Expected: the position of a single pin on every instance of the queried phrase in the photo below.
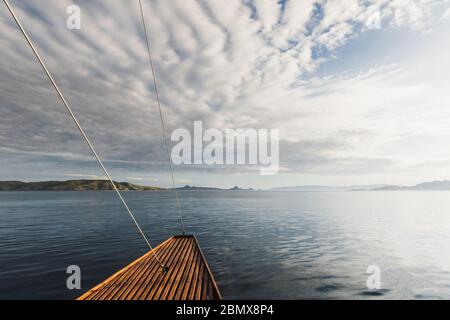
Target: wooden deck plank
(181, 272)
(150, 269)
(205, 285)
(119, 285)
(210, 274)
(122, 291)
(150, 274)
(98, 292)
(161, 284)
(170, 278)
(188, 276)
(198, 289)
(190, 295)
(155, 281)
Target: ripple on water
(260, 245)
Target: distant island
(92, 185)
(72, 185)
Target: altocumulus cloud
(232, 64)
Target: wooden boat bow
(187, 275)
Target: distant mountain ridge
(189, 188)
(318, 188)
(424, 186)
(105, 185)
(72, 185)
(94, 185)
(441, 185)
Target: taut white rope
(166, 143)
(79, 127)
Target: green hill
(72, 185)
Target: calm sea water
(274, 245)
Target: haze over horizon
(355, 104)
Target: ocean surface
(260, 245)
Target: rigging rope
(30, 43)
(166, 143)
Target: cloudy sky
(356, 101)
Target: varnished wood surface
(187, 276)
